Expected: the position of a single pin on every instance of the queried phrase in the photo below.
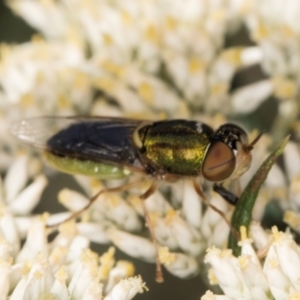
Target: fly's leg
(148, 193)
(77, 213)
(199, 191)
(225, 194)
(125, 187)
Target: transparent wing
(37, 131)
(99, 139)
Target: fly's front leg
(199, 191)
(225, 194)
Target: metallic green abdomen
(176, 147)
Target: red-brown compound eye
(219, 162)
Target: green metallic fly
(111, 148)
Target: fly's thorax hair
(243, 160)
(139, 135)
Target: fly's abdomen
(175, 147)
(85, 167)
(100, 149)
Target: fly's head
(229, 153)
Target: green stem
(243, 212)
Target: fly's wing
(99, 139)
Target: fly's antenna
(251, 145)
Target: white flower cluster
(148, 59)
(62, 269)
(176, 51)
(274, 27)
(246, 277)
(66, 268)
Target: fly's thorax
(173, 147)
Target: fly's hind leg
(125, 187)
(77, 213)
(148, 193)
(199, 191)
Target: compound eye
(219, 162)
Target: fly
(111, 148)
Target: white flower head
(248, 277)
(175, 64)
(71, 270)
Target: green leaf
(242, 214)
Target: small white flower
(187, 237)
(292, 160)
(20, 199)
(228, 276)
(121, 270)
(248, 98)
(95, 232)
(133, 245)
(59, 287)
(260, 237)
(126, 289)
(36, 241)
(179, 264)
(214, 229)
(191, 206)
